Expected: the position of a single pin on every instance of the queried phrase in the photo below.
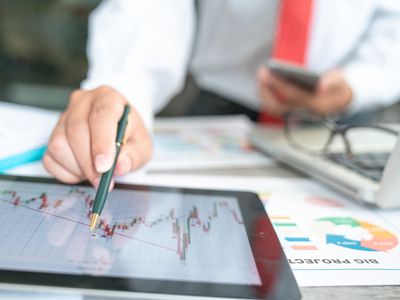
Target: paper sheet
(31, 295)
(204, 143)
(329, 240)
(23, 130)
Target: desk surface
(321, 293)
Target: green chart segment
(379, 239)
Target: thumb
(263, 75)
(330, 81)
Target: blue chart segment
(141, 234)
(380, 239)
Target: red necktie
(291, 40)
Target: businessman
(141, 51)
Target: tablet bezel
(251, 209)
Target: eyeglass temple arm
(380, 127)
(370, 126)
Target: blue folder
(22, 158)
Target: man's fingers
(87, 131)
(78, 134)
(125, 162)
(270, 102)
(60, 151)
(283, 95)
(273, 106)
(138, 149)
(133, 156)
(103, 120)
(292, 94)
(58, 171)
(333, 94)
(263, 75)
(330, 81)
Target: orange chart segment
(379, 238)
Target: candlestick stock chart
(141, 234)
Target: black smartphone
(302, 77)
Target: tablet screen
(142, 234)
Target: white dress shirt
(144, 48)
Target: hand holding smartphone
(302, 77)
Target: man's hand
(333, 94)
(82, 145)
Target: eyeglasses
(324, 133)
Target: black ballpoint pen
(105, 181)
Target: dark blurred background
(42, 50)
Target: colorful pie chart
(344, 232)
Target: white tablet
(151, 242)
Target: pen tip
(93, 221)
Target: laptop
(370, 175)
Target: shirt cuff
(369, 89)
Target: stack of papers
(24, 132)
(204, 143)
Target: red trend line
(87, 225)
